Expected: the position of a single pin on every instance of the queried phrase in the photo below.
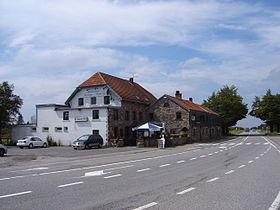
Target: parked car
(31, 141)
(3, 150)
(88, 141)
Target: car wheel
(30, 146)
(99, 146)
(86, 146)
(45, 145)
(1, 152)
(21, 147)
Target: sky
(49, 47)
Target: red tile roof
(192, 106)
(124, 88)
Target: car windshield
(83, 138)
(24, 138)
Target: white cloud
(191, 61)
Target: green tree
(9, 106)
(267, 109)
(229, 105)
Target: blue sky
(47, 48)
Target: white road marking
(146, 206)
(203, 156)
(15, 194)
(212, 180)
(33, 169)
(144, 169)
(70, 184)
(113, 176)
(271, 144)
(229, 172)
(186, 191)
(262, 154)
(193, 159)
(257, 143)
(221, 150)
(248, 143)
(180, 161)
(216, 152)
(95, 173)
(210, 154)
(242, 166)
(164, 165)
(276, 204)
(251, 161)
(257, 158)
(266, 143)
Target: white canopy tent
(148, 126)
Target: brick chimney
(131, 80)
(178, 94)
(191, 100)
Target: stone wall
(122, 126)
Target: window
(93, 100)
(166, 105)
(116, 114)
(140, 116)
(58, 129)
(65, 129)
(45, 129)
(33, 129)
(95, 131)
(127, 115)
(173, 131)
(66, 115)
(95, 114)
(134, 115)
(80, 101)
(178, 115)
(106, 99)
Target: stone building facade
(184, 116)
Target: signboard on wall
(81, 119)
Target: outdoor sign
(81, 119)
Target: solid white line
(193, 159)
(146, 206)
(186, 191)
(251, 161)
(242, 166)
(144, 169)
(229, 172)
(212, 180)
(276, 204)
(15, 194)
(113, 176)
(271, 144)
(180, 161)
(70, 184)
(165, 165)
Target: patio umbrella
(148, 126)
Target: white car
(31, 141)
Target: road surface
(242, 173)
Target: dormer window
(80, 101)
(106, 99)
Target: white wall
(48, 117)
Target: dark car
(88, 141)
(3, 150)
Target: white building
(92, 108)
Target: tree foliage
(267, 109)
(9, 105)
(228, 104)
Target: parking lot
(19, 157)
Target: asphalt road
(242, 173)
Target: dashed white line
(210, 154)
(70, 184)
(180, 161)
(257, 158)
(193, 159)
(216, 152)
(257, 143)
(262, 154)
(203, 156)
(248, 143)
(144, 169)
(251, 161)
(186, 191)
(242, 166)
(229, 172)
(164, 165)
(276, 204)
(113, 176)
(15, 194)
(212, 180)
(146, 206)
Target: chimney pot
(178, 94)
(191, 99)
(131, 80)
